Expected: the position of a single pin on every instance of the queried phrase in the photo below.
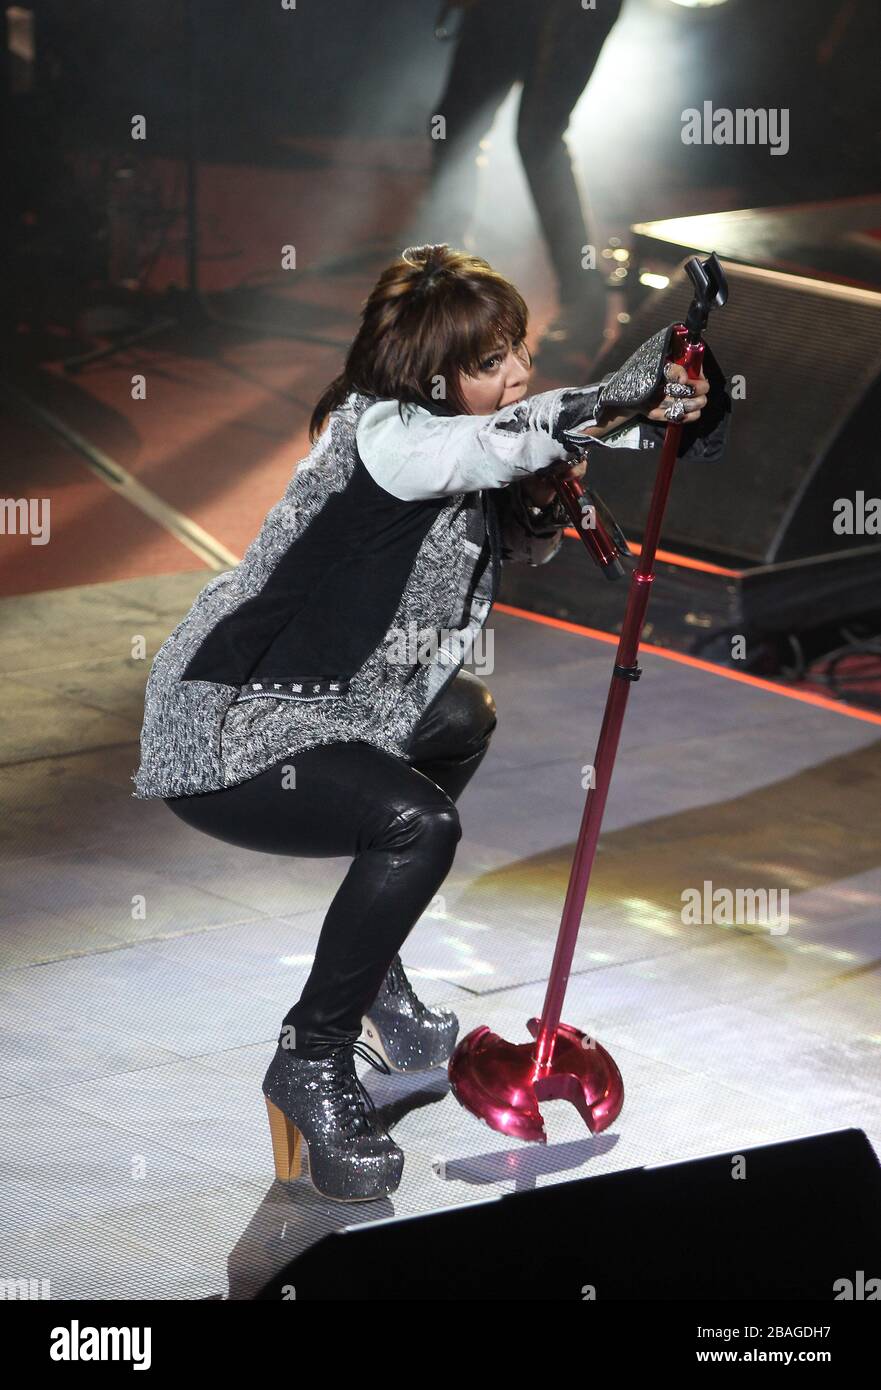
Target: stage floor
(146, 968)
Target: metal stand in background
(187, 302)
(502, 1083)
(187, 307)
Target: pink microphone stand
(500, 1082)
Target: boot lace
(355, 1103)
(397, 983)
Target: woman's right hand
(541, 492)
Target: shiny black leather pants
(398, 821)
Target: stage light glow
(654, 282)
(697, 4)
(642, 913)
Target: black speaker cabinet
(804, 428)
(793, 1220)
(754, 542)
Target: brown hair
(432, 313)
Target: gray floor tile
(141, 996)
(106, 903)
(38, 1054)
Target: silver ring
(679, 389)
(675, 411)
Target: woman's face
(501, 379)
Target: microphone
(603, 538)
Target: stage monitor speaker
(805, 433)
(793, 1220)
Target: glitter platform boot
(322, 1102)
(408, 1035)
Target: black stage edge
(796, 1220)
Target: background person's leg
(570, 40)
(349, 798)
(488, 58)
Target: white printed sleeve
(423, 455)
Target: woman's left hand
(693, 404)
